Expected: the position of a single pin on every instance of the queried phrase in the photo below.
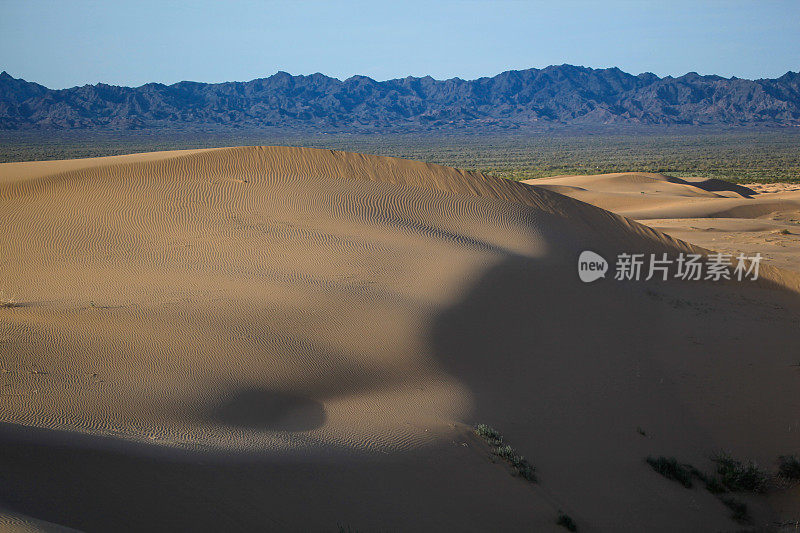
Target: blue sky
(66, 43)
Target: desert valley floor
(294, 339)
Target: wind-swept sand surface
(714, 214)
(291, 339)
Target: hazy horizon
(342, 79)
(66, 45)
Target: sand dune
(635, 192)
(290, 339)
(713, 214)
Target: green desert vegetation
(521, 466)
(739, 476)
(789, 467)
(489, 434)
(735, 155)
(733, 476)
(684, 473)
(671, 469)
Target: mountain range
(556, 95)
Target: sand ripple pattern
(265, 298)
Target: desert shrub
(734, 476)
(738, 509)
(506, 452)
(491, 435)
(671, 469)
(525, 469)
(736, 156)
(789, 467)
(521, 466)
(712, 484)
(566, 522)
(739, 476)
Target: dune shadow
(101, 484)
(528, 333)
(531, 325)
(716, 185)
(567, 371)
(270, 410)
(543, 353)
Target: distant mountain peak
(557, 94)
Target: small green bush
(567, 522)
(525, 470)
(491, 435)
(789, 467)
(521, 465)
(671, 469)
(713, 485)
(506, 452)
(739, 476)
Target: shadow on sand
(272, 411)
(567, 371)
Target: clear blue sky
(72, 42)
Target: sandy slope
(711, 213)
(291, 339)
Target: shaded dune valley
(291, 339)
